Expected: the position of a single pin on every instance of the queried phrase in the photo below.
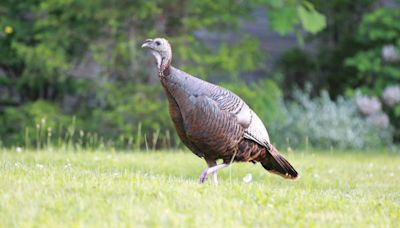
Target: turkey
(213, 122)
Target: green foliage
(324, 123)
(130, 107)
(285, 25)
(350, 51)
(380, 26)
(213, 14)
(397, 110)
(323, 62)
(286, 15)
(376, 30)
(227, 60)
(83, 59)
(31, 124)
(312, 20)
(298, 69)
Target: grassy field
(118, 189)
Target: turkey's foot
(203, 176)
(214, 169)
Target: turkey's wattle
(213, 122)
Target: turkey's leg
(215, 174)
(206, 172)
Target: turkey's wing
(210, 128)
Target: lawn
(117, 189)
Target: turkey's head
(161, 50)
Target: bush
(324, 123)
(134, 111)
(32, 123)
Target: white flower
(19, 149)
(379, 120)
(368, 105)
(247, 178)
(391, 95)
(390, 53)
(39, 166)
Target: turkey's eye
(158, 43)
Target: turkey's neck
(165, 67)
(166, 71)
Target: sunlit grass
(160, 188)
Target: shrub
(322, 122)
(134, 110)
(31, 123)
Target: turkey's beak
(147, 43)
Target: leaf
(276, 3)
(397, 110)
(311, 19)
(283, 19)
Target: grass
(100, 189)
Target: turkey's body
(212, 121)
(215, 123)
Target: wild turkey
(213, 122)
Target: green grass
(160, 189)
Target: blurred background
(323, 74)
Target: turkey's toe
(203, 176)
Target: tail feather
(277, 164)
